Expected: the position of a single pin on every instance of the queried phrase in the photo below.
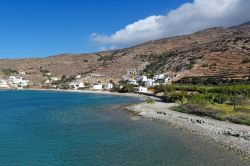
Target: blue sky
(39, 28)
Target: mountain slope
(218, 52)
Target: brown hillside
(220, 52)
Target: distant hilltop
(215, 52)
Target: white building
(23, 83)
(141, 89)
(150, 83)
(133, 82)
(167, 79)
(47, 82)
(76, 85)
(142, 79)
(131, 71)
(3, 84)
(97, 86)
(158, 77)
(55, 78)
(109, 86)
(78, 76)
(13, 78)
(18, 81)
(22, 73)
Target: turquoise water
(72, 129)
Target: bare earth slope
(220, 52)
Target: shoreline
(233, 136)
(86, 91)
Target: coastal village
(125, 83)
(140, 83)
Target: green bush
(205, 65)
(221, 98)
(164, 88)
(200, 110)
(247, 60)
(9, 71)
(198, 99)
(190, 66)
(175, 97)
(127, 88)
(149, 101)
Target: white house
(142, 79)
(78, 76)
(158, 77)
(167, 79)
(22, 73)
(109, 86)
(76, 85)
(3, 84)
(23, 83)
(131, 71)
(47, 82)
(133, 82)
(150, 83)
(141, 89)
(13, 78)
(97, 86)
(55, 78)
(18, 81)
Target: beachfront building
(13, 78)
(23, 83)
(76, 85)
(3, 84)
(108, 86)
(140, 89)
(97, 86)
(47, 82)
(18, 82)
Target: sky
(41, 28)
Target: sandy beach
(233, 136)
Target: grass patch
(150, 101)
(213, 101)
(223, 112)
(9, 71)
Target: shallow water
(71, 129)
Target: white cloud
(188, 18)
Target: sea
(49, 128)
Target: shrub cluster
(200, 94)
(9, 71)
(209, 81)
